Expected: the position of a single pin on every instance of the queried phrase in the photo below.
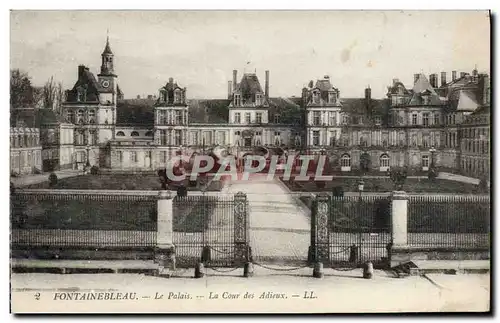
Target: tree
(21, 90)
(398, 177)
(49, 94)
(364, 162)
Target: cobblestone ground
(279, 229)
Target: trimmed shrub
(94, 170)
(52, 179)
(338, 191)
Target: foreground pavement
(273, 291)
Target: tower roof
(107, 49)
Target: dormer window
(276, 118)
(316, 97)
(237, 99)
(378, 120)
(332, 97)
(258, 99)
(177, 96)
(425, 99)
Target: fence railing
(460, 221)
(48, 219)
(204, 221)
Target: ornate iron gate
(211, 229)
(348, 231)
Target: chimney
(81, 69)
(486, 89)
(368, 94)
(433, 78)
(443, 78)
(266, 88)
(170, 80)
(235, 76)
(229, 89)
(453, 75)
(150, 97)
(415, 78)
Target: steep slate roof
(422, 87)
(467, 101)
(107, 49)
(137, 112)
(289, 110)
(249, 86)
(323, 85)
(209, 111)
(87, 80)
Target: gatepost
(242, 251)
(399, 252)
(320, 237)
(165, 249)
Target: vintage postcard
(250, 161)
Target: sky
(199, 50)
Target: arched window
(345, 162)
(134, 134)
(120, 134)
(149, 134)
(384, 162)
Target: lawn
(412, 185)
(140, 182)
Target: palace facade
(426, 123)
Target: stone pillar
(399, 218)
(399, 252)
(165, 249)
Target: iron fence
(359, 229)
(459, 221)
(204, 227)
(83, 219)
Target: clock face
(105, 84)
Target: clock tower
(107, 77)
(108, 95)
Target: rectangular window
(222, 138)
(316, 118)
(276, 118)
(425, 119)
(163, 137)
(194, 138)
(315, 138)
(414, 119)
(436, 119)
(237, 99)
(453, 119)
(178, 117)
(163, 157)
(258, 117)
(333, 138)
(237, 117)
(133, 156)
(378, 120)
(333, 118)
(248, 117)
(178, 138)
(425, 161)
